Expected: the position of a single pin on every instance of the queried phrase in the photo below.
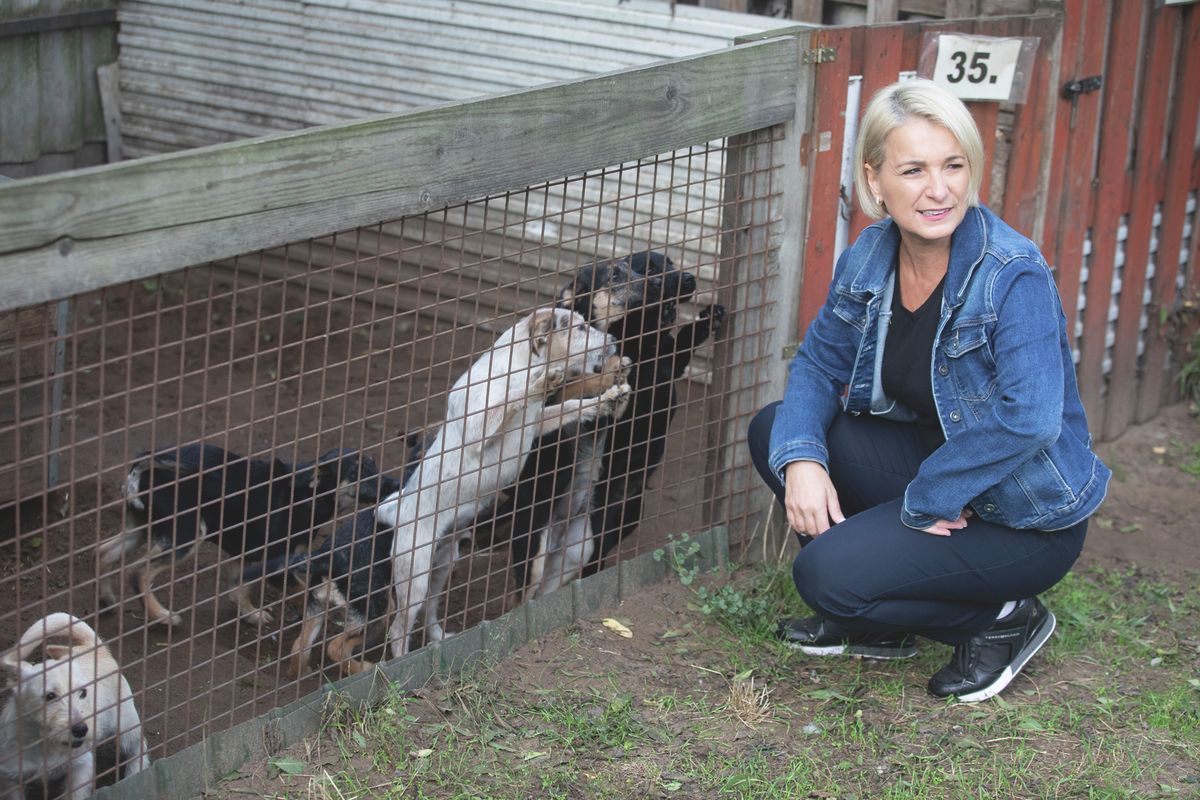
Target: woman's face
(923, 181)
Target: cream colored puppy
(494, 412)
(60, 708)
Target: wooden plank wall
(1120, 223)
(50, 115)
(879, 53)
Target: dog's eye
(82, 694)
(51, 697)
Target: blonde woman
(931, 450)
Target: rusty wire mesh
(349, 344)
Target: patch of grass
(1110, 709)
(1187, 456)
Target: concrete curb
(201, 766)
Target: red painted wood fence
(1105, 181)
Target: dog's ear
(541, 325)
(18, 668)
(58, 652)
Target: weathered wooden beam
(63, 234)
(57, 22)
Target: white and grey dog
(61, 708)
(494, 412)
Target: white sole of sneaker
(1012, 670)
(860, 651)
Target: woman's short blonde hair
(894, 105)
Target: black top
(907, 357)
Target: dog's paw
(716, 314)
(169, 619)
(108, 599)
(259, 617)
(553, 379)
(615, 400)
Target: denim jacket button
(989, 508)
(943, 370)
(955, 416)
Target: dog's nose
(689, 284)
(79, 730)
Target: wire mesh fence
(260, 463)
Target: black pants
(872, 573)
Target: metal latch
(819, 55)
(1072, 89)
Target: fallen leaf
(425, 752)
(291, 766)
(617, 627)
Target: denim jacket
(1017, 449)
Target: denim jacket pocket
(851, 309)
(1043, 486)
(969, 361)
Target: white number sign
(977, 67)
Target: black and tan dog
(660, 355)
(581, 489)
(252, 508)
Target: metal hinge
(819, 55)
(789, 351)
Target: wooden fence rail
(67, 233)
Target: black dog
(581, 488)
(252, 508)
(639, 438)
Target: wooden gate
(1108, 200)
(1124, 176)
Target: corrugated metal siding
(196, 73)
(199, 73)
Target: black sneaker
(981, 667)
(820, 637)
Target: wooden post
(808, 10)
(765, 222)
(108, 77)
(1147, 181)
(1111, 191)
(1156, 382)
(883, 11)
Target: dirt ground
(239, 364)
(1151, 517)
(1147, 528)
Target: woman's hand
(946, 527)
(810, 499)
